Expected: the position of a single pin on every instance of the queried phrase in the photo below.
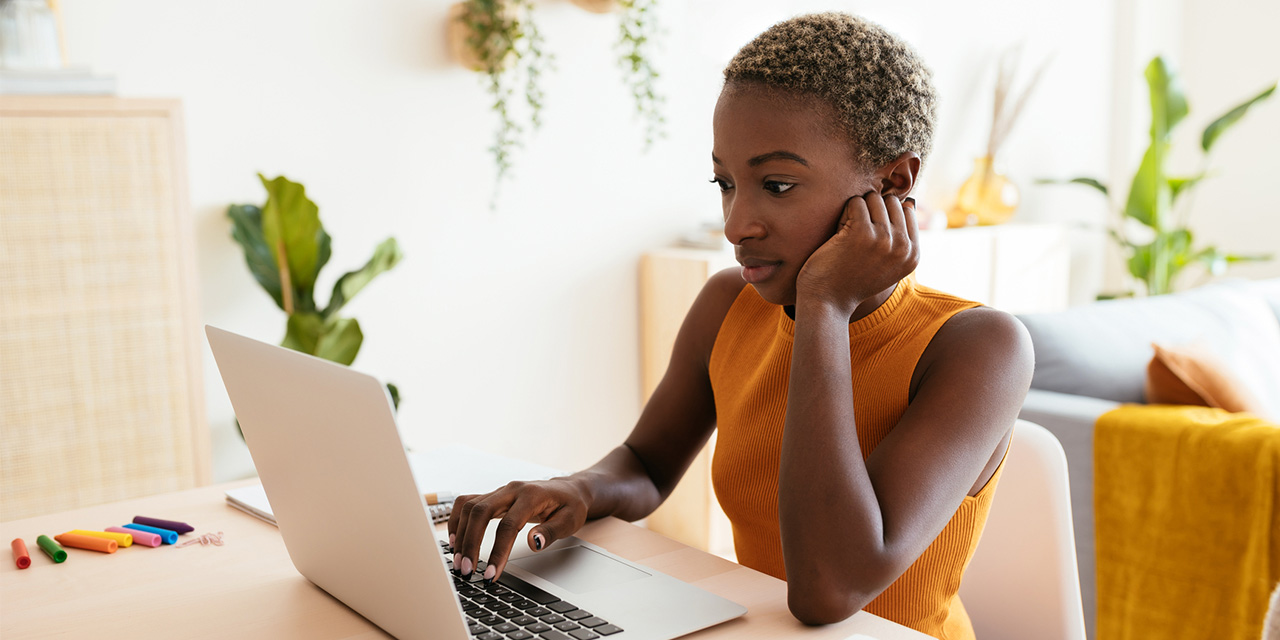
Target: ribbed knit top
(750, 367)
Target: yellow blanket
(1187, 509)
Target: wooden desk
(248, 588)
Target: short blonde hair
(880, 89)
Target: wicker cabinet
(100, 378)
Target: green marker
(52, 549)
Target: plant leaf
(386, 256)
(1177, 245)
(395, 395)
(1150, 195)
(1168, 104)
(291, 221)
(1090, 182)
(1226, 120)
(246, 229)
(1140, 261)
(340, 341)
(303, 331)
(1178, 185)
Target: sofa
(1093, 358)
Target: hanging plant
(637, 31)
(502, 41)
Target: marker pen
(20, 555)
(167, 536)
(87, 542)
(51, 549)
(122, 539)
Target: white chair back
(1022, 581)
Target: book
(455, 469)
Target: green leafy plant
(509, 48)
(285, 247)
(637, 31)
(1154, 193)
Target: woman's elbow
(816, 606)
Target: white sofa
(1091, 359)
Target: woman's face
(785, 175)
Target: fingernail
(451, 537)
(466, 566)
(538, 542)
(457, 559)
(490, 573)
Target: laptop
(324, 440)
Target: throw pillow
(1192, 375)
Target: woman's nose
(741, 223)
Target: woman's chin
(772, 294)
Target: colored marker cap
(171, 525)
(51, 548)
(141, 537)
(167, 536)
(20, 555)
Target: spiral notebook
(457, 469)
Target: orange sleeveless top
(750, 367)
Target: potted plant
(285, 247)
(1164, 245)
(636, 32)
(500, 39)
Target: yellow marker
(122, 539)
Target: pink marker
(140, 537)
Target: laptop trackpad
(579, 569)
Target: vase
(987, 197)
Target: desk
(248, 588)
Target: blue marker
(166, 536)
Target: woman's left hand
(873, 248)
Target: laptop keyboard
(512, 609)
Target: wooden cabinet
(1017, 268)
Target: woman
(862, 418)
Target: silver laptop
(324, 440)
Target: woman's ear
(898, 177)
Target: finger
(561, 524)
(455, 515)
(899, 237)
(478, 513)
(909, 216)
(897, 220)
(855, 210)
(879, 214)
(524, 509)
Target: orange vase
(986, 197)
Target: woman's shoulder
(710, 308)
(983, 336)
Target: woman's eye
(724, 186)
(773, 186)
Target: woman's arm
(850, 528)
(633, 479)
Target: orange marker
(87, 542)
(20, 555)
(122, 539)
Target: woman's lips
(754, 273)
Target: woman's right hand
(559, 504)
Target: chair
(101, 397)
(1022, 581)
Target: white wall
(1230, 55)
(515, 330)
